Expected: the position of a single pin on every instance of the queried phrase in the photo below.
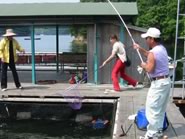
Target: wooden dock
(130, 101)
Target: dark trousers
(4, 74)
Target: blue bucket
(165, 124)
(142, 122)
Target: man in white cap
(8, 48)
(159, 91)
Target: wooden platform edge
(176, 120)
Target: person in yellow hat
(8, 48)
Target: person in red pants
(118, 51)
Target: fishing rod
(127, 31)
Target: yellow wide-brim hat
(9, 32)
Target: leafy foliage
(78, 30)
(106, 0)
(79, 45)
(157, 13)
(161, 14)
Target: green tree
(161, 14)
(156, 13)
(79, 30)
(106, 0)
(79, 44)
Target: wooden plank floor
(126, 108)
(130, 101)
(177, 122)
(178, 93)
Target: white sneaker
(155, 137)
(111, 91)
(159, 135)
(20, 87)
(142, 137)
(4, 89)
(106, 91)
(138, 85)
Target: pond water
(46, 43)
(51, 130)
(54, 121)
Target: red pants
(119, 67)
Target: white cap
(152, 32)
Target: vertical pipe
(183, 69)
(57, 48)
(96, 55)
(175, 49)
(122, 39)
(183, 73)
(33, 54)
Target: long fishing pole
(125, 27)
(127, 31)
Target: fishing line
(72, 93)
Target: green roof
(67, 9)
